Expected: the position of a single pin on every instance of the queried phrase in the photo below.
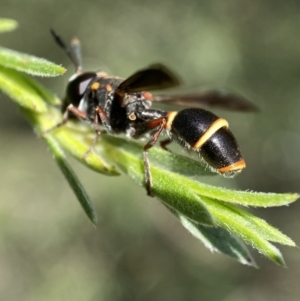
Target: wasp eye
(77, 87)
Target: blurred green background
(139, 251)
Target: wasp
(118, 105)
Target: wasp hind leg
(160, 124)
(164, 143)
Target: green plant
(210, 213)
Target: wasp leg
(95, 140)
(99, 117)
(164, 143)
(65, 119)
(159, 124)
(103, 118)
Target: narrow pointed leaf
(237, 221)
(219, 240)
(77, 147)
(73, 181)
(273, 253)
(7, 25)
(161, 158)
(16, 85)
(245, 198)
(177, 163)
(73, 142)
(262, 227)
(29, 64)
(230, 218)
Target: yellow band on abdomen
(219, 123)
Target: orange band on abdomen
(235, 166)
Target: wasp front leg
(66, 117)
(100, 117)
(81, 115)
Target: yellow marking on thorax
(95, 86)
(108, 87)
(218, 124)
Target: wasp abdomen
(191, 124)
(207, 134)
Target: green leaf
(18, 87)
(217, 239)
(177, 192)
(78, 149)
(187, 166)
(173, 195)
(236, 220)
(177, 163)
(260, 226)
(231, 196)
(245, 198)
(246, 226)
(71, 140)
(73, 181)
(7, 25)
(29, 64)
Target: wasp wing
(214, 98)
(155, 77)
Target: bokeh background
(139, 251)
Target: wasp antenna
(73, 53)
(76, 50)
